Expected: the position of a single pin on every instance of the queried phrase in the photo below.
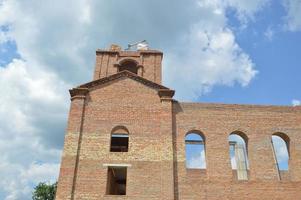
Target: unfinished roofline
(138, 52)
(234, 105)
(118, 75)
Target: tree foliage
(44, 191)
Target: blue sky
(227, 51)
(195, 153)
(277, 59)
(196, 158)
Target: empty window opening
(119, 139)
(129, 66)
(116, 182)
(238, 155)
(119, 143)
(195, 151)
(280, 146)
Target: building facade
(127, 138)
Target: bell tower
(145, 63)
(119, 127)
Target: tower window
(119, 143)
(119, 140)
(128, 65)
(116, 182)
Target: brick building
(127, 138)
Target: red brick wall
(157, 128)
(131, 104)
(69, 158)
(148, 60)
(216, 122)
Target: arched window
(238, 142)
(280, 145)
(195, 151)
(119, 139)
(128, 65)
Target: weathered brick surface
(216, 122)
(157, 128)
(149, 63)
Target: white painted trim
(116, 165)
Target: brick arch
(198, 132)
(243, 135)
(120, 129)
(127, 59)
(139, 69)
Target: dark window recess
(119, 143)
(116, 182)
(129, 66)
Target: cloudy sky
(231, 51)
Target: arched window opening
(195, 151)
(238, 155)
(119, 140)
(129, 66)
(280, 145)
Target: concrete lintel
(116, 165)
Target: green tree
(44, 191)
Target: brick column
(295, 148)
(167, 158)
(295, 156)
(217, 155)
(67, 178)
(261, 158)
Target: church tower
(144, 63)
(127, 138)
(119, 140)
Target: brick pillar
(261, 158)
(167, 159)
(295, 148)
(295, 157)
(69, 161)
(217, 155)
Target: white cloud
(33, 114)
(197, 161)
(19, 186)
(4, 37)
(296, 102)
(247, 9)
(212, 58)
(41, 172)
(269, 33)
(57, 49)
(210, 55)
(293, 17)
